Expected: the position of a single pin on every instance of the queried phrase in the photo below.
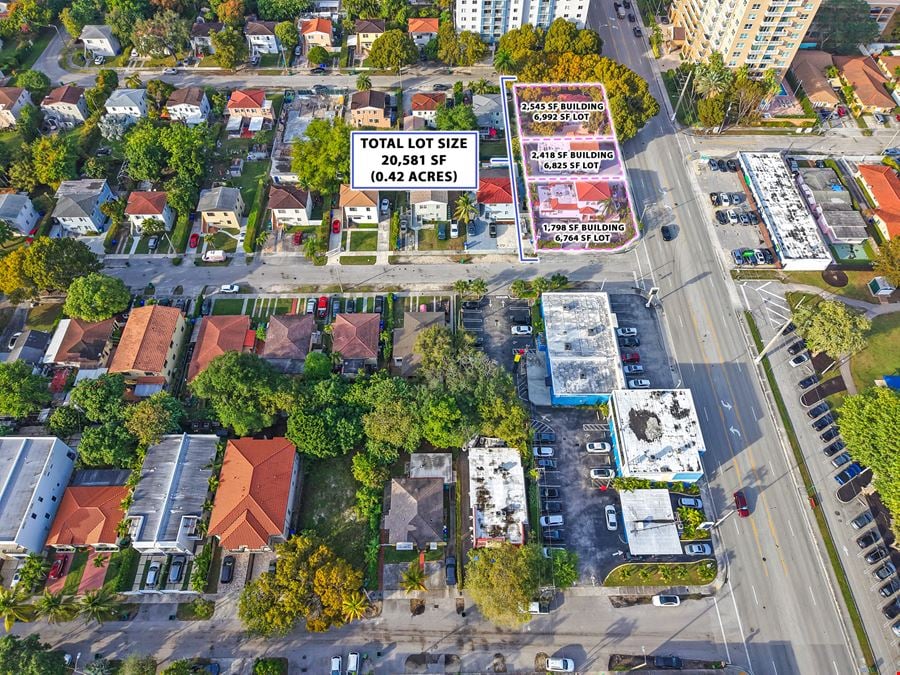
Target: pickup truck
(620, 11)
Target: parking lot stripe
(722, 628)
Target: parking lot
(491, 323)
(631, 312)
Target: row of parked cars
(886, 572)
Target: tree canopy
(842, 25)
(830, 326)
(101, 398)
(230, 46)
(95, 297)
(392, 49)
(21, 393)
(47, 265)
(282, 10)
(503, 580)
(887, 262)
(322, 159)
(150, 419)
(458, 118)
(107, 445)
(30, 656)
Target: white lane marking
(753, 588)
(706, 414)
(681, 321)
(737, 615)
(791, 528)
(722, 626)
(774, 668)
(752, 412)
(812, 595)
(835, 667)
(736, 527)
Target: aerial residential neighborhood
(413, 337)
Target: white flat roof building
(496, 493)
(582, 350)
(649, 522)
(793, 230)
(492, 20)
(656, 434)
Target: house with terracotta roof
(582, 200)
(144, 206)
(217, 335)
(889, 64)
(189, 105)
(359, 206)
(316, 32)
(370, 109)
(496, 198)
(429, 206)
(422, 30)
(808, 68)
(883, 186)
(367, 31)
(254, 502)
(290, 206)
(355, 338)
(405, 358)
(147, 355)
(414, 512)
(81, 344)
(88, 515)
(66, 105)
(261, 38)
(867, 82)
(201, 40)
(288, 341)
(249, 103)
(425, 105)
(12, 100)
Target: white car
(598, 446)
(633, 369)
(732, 216)
(336, 665)
(690, 502)
(12, 341)
(560, 666)
(666, 600)
(551, 521)
(521, 330)
(17, 577)
(799, 360)
(626, 332)
(454, 230)
(698, 549)
(725, 199)
(550, 551)
(612, 522)
(230, 288)
(638, 384)
(604, 473)
(353, 663)
(310, 305)
(543, 452)
(385, 205)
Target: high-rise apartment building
(492, 18)
(761, 34)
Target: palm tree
(503, 62)
(13, 608)
(481, 87)
(354, 606)
(413, 578)
(363, 82)
(98, 605)
(478, 287)
(540, 285)
(54, 607)
(134, 81)
(709, 82)
(465, 208)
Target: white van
(214, 256)
(353, 663)
(454, 229)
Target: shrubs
(200, 569)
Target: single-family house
(88, 515)
(254, 502)
(355, 338)
(883, 186)
(406, 358)
(66, 105)
(249, 103)
(201, 40)
(367, 31)
(582, 200)
(189, 105)
(167, 504)
(414, 512)
(220, 334)
(131, 103)
(426, 104)
(429, 206)
(78, 204)
(34, 472)
(18, 211)
(147, 355)
(370, 109)
(359, 206)
(144, 206)
(808, 68)
(220, 208)
(99, 40)
(290, 206)
(30, 347)
(496, 198)
(261, 37)
(316, 32)
(422, 30)
(488, 109)
(77, 343)
(12, 100)
(889, 64)
(288, 339)
(867, 82)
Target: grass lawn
(365, 226)
(357, 260)
(428, 241)
(328, 508)
(488, 149)
(651, 574)
(44, 316)
(364, 241)
(187, 611)
(222, 242)
(228, 306)
(39, 44)
(882, 355)
(11, 142)
(76, 570)
(163, 245)
(263, 308)
(117, 578)
(855, 288)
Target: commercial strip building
(649, 522)
(792, 229)
(497, 508)
(581, 346)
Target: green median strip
(810, 487)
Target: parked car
(665, 600)
(551, 507)
(546, 464)
(862, 520)
(543, 452)
(891, 610)
(560, 665)
(454, 230)
(450, 570)
(790, 328)
(639, 384)
(714, 197)
(869, 538)
(884, 571)
(740, 503)
(627, 331)
(841, 459)
(521, 330)
(153, 573)
(848, 474)
(698, 549)
(713, 165)
(227, 573)
(732, 216)
(152, 243)
(12, 340)
(350, 306)
(442, 231)
(890, 588)
(551, 521)
(737, 255)
(690, 502)
(176, 568)
(194, 240)
(819, 409)
(550, 551)
(635, 369)
(310, 305)
(632, 341)
(336, 665)
(737, 197)
(229, 288)
(732, 165)
(470, 228)
(598, 446)
(631, 357)
(667, 663)
(725, 199)
(799, 360)
(745, 220)
(552, 535)
(721, 217)
(379, 304)
(830, 434)
(637, 31)
(335, 226)
(823, 422)
(631, 18)
(58, 567)
(612, 521)
(335, 305)
(604, 473)
(668, 233)
(807, 382)
(17, 576)
(492, 230)
(550, 493)
(353, 657)
(797, 347)
(875, 555)
(545, 437)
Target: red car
(631, 357)
(841, 111)
(335, 226)
(298, 238)
(322, 307)
(57, 569)
(740, 503)
(194, 240)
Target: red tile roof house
(425, 105)
(867, 82)
(88, 516)
(144, 206)
(316, 33)
(496, 198)
(220, 334)
(421, 30)
(254, 501)
(883, 186)
(249, 103)
(288, 339)
(147, 355)
(81, 344)
(290, 206)
(355, 338)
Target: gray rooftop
(126, 98)
(484, 105)
(174, 483)
(219, 199)
(99, 477)
(11, 205)
(30, 347)
(649, 522)
(96, 32)
(77, 198)
(431, 465)
(22, 462)
(832, 207)
(415, 511)
(581, 343)
(420, 196)
(496, 491)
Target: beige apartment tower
(761, 34)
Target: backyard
(44, 316)
(882, 355)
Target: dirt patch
(835, 278)
(833, 386)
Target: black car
(549, 493)
(470, 228)
(379, 304)
(723, 166)
(820, 409)
(744, 218)
(714, 196)
(631, 18)
(875, 555)
(830, 435)
(807, 382)
(841, 460)
(820, 163)
(176, 568)
(441, 87)
(713, 165)
(892, 610)
(797, 347)
(862, 520)
(546, 464)
(868, 539)
(790, 328)
(551, 507)
(668, 234)
(626, 4)
(823, 422)
(884, 571)
(636, 31)
(630, 341)
(470, 304)
(767, 254)
(450, 569)
(732, 165)
(721, 216)
(890, 588)
(834, 448)
(543, 436)
(667, 663)
(492, 231)
(227, 573)
(553, 536)
(335, 305)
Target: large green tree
(887, 262)
(842, 25)
(95, 297)
(79, 14)
(282, 10)
(145, 152)
(162, 33)
(458, 118)
(322, 159)
(150, 419)
(108, 445)
(503, 580)
(393, 49)
(21, 393)
(135, 664)
(29, 656)
(122, 15)
(46, 265)
(831, 327)
(286, 32)
(101, 398)
(325, 421)
(230, 46)
(36, 82)
(54, 160)
(711, 111)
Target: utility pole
(681, 95)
